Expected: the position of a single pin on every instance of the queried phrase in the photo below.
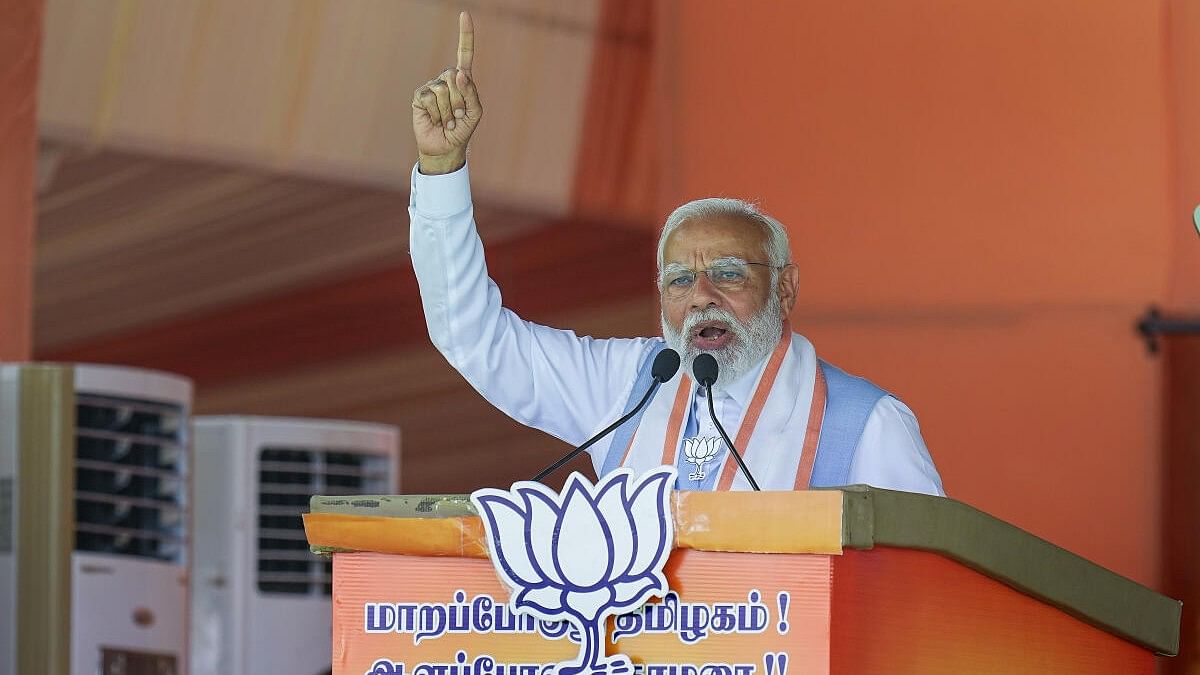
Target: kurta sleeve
(891, 453)
(550, 379)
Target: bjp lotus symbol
(584, 554)
(700, 451)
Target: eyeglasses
(730, 275)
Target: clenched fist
(446, 109)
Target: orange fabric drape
(20, 47)
(615, 172)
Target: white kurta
(571, 386)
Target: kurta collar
(742, 390)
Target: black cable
(575, 453)
(736, 454)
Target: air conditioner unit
(261, 600)
(94, 520)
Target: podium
(849, 581)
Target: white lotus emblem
(700, 451)
(582, 555)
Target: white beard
(753, 341)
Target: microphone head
(665, 365)
(704, 367)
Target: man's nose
(705, 293)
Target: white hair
(777, 249)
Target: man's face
(697, 245)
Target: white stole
(778, 447)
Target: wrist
(433, 165)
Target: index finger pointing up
(466, 42)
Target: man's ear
(789, 286)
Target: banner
(582, 581)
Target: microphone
(664, 368)
(704, 368)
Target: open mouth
(711, 335)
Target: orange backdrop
(983, 196)
(982, 199)
(1183, 42)
(20, 41)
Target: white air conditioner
(261, 600)
(94, 520)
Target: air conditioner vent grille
(130, 477)
(287, 478)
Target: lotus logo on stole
(700, 451)
(584, 554)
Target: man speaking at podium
(726, 286)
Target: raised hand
(446, 110)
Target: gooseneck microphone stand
(664, 367)
(704, 368)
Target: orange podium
(850, 581)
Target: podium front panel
(852, 582)
(905, 612)
(733, 612)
